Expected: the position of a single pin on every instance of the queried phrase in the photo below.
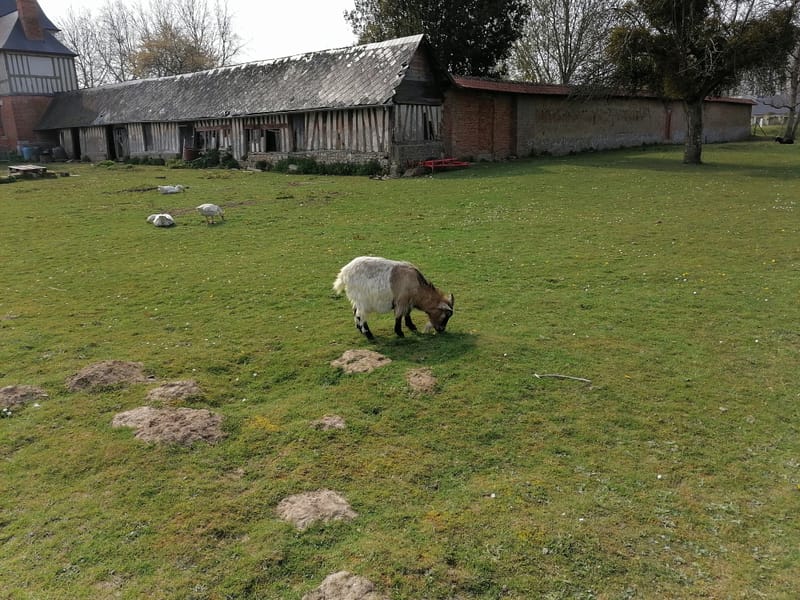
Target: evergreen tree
(469, 37)
(690, 49)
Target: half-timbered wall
(153, 139)
(213, 134)
(417, 123)
(332, 135)
(34, 74)
(357, 130)
(94, 143)
(255, 135)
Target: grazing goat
(161, 220)
(209, 211)
(380, 285)
(171, 189)
(784, 140)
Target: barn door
(121, 143)
(298, 132)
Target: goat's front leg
(410, 323)
(362, 326)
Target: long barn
(378, 101)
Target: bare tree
(563, 40)
(118, 32)
(128, 40)
(79, 35)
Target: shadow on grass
(427, 349)
(661, 159)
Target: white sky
(268, 28)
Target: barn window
(273, 139)
(211, 138)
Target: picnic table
(27, 170)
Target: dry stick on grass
(557, 376)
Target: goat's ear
(452, 300)
(445, 306)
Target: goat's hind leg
(410, 323)
(398, 329)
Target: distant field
(674, 473)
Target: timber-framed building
(388, 102)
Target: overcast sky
(268, 28)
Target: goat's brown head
(438, 316)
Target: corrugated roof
(521, 87)
(12, 36)
(514, 87)
(366, 75)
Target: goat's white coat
(171, 189)
(380, 285)
(161, 220)
(367, 282)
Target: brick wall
(20, 114)
(479, 125)
(491, 125)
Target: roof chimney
(30, 17)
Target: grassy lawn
(673, 474)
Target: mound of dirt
(105, 374)
(344, 586)
(360, 361)
(15, 395)
(421, 381)
(302, 510)
(328, 422)
(175, 391)
(172, 425)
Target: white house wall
(25, 74)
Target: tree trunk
(693, 148)
(794, 91)
(791, 124)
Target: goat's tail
(340, 284)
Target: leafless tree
(563, 41)
(124, 41)
(79, 35)
(118, 32)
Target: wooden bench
(443, 163)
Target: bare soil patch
(16, 395)
(329, 422)
(175, 391)
(360, 361)
(421, 381)
(344, 586)
(172, 425)
(303, 510)
(106, 374)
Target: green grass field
(673, 288)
